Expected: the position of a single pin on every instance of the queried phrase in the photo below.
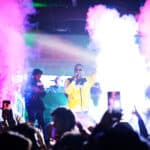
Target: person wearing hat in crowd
(34, 92)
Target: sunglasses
(78, 69)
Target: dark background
(65, 16)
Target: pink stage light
(144, 30)
(13, 16)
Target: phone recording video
(114, 100)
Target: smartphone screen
(114, 100)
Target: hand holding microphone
(76, 76)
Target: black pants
(34, 115)
(35, 110)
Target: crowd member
(113, 133)
(10, 117)
(78, 88)
(108, 120)
(121, 136)
(71, 142)
(12, 140)
(34, 134)
(64, 122)
(34, 91)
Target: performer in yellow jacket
(78, 88)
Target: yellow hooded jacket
(79, 97)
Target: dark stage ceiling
(69, 16)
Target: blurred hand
(135, 112)
(76, 76)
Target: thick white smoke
(120, 65)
